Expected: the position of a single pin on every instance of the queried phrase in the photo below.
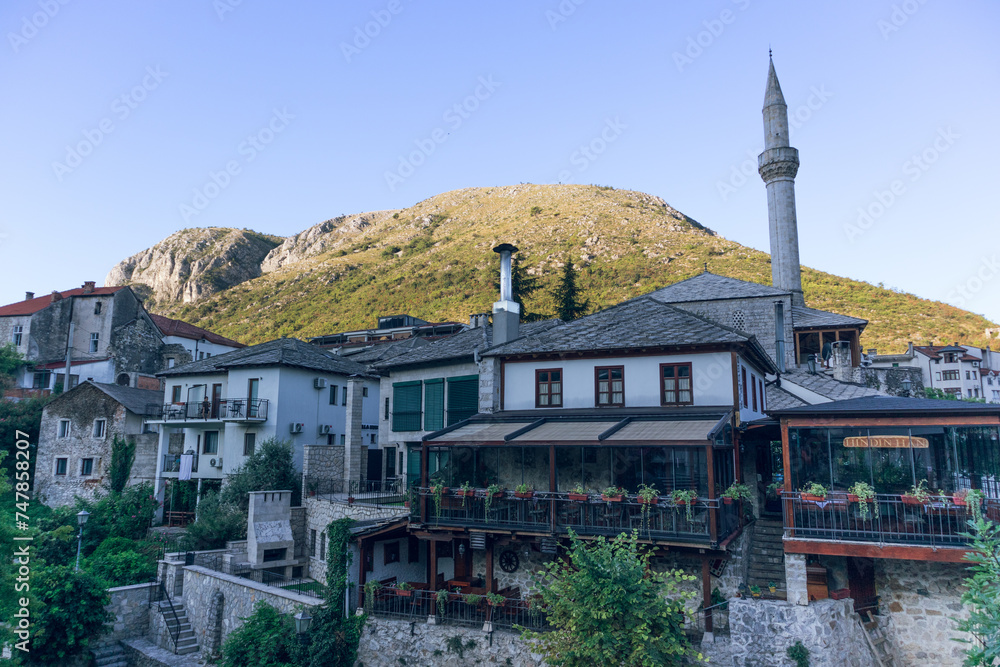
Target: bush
(216, 523)
(123, 568)
(269, 468)
(266, 639)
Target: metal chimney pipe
(506, 280)
(506, 311)
(779, 334)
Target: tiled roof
(894, 405)
(779, 399)
(376, 352)
(281, 352)
(711, 287)
(826, 386)
(638, 323)
(172, 327)
(135, 400)
(934, 351)
(808, 318)
(32, 306)
(463, 344)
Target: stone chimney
(479, 320)
(28, 296)
(841, 361)
(88, 287)
(56, 296)
(506, 311)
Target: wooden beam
(433, 561)
(786, 462)
(713, 514)
(866, 550)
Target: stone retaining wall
(761, 632)
(130, 605)
(388, 642)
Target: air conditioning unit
(296, 427)
(325, 429)
(319, 383)
(215, 463)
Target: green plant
(613, 491)
(919, 491)
(773, 487)
(266, 639)
(536, 210)
(404, 586)
(494, 599)
(269, 467)
(122, 568)
(866, 495)
(738, 491)
(771, 586)
(491, 491)
(441, 597)
(798, 653)
(684, 497)
(974, 499)
(522, 488)
(437, 490)
(981, 597)
(217, 523)
(372, 587)
(578, 489)
(647, 493)
(566, 294)
(472, 599)
(815, 489)
(465, 488)
(122, 457)
(605, 606)
(456, 645)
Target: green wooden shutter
(434, 404)
(463, 398)
(406, 406)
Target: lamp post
(81, 518)
(302, 622)
(906, 386)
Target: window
(63, 428)
(201, 355)
(312, 543)
(331, 439)
(16, 338)
(99, 425)
(675, 387)
(950, 357)
(746, 399)
(548, 388)
(364, 392)
(610, 385)
(208, 354)
(989, 381)
(372, 439)
(322, 545)
(950, 375)
(61, 466)
(968, 375)
(175, 394)
(761, 381)
(406, 405)
(343, 400)
(412, 550)
(434, 404)
(97, 308)
(753, 386)
(211, 443)
(86, 467)
(333, 394)
(385, 415)
(249, 443)
(41, 380)
(171, 362)
(95, 339)
(463, 398)
(343, 439)
(938, 375)
(739, 320)
(272, 555)
(390, 551)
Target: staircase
(179, 627)
(767, 554)
(111, 655)
(877, 639)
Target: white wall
(386, 434)
(753, 376)
(203, 346)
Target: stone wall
(298, 521)
(762, 631)
(321, 462)
(388, 642)
(238, 599)
(130, 605)
(321, 512)
(922, 601)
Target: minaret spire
(778, 165)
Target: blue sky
(125, 122)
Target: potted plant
(775, 488)
(404, 590)
(438, 490)
(493, 491)
(466, 491)
(862, 493)
(755, 592)
(917, 495)
(472, 599)
(814, 492)
(578, 494)
(973, 499)
(372, 587)
(736, 491)
(684, 497)
(495, 599)
(441, 597)
(772, 587)
(523, 491)
(647, 495)
(612, 494)
(410, 498)
(313, 487)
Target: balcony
(888, 520)
(172, 463)
(229, 409)
(705, 522)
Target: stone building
(77, 432)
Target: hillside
(434, 261)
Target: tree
(8, 566)
(934, 392)
(217, 523)
(122, 457)
(269, 468)
(607, 608)
(266, 639)
(523, 285)
(567, 295)
(24, 416)
(68, 610)
(982, 596)
(11, 362)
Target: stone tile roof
(377, 352)
(282, 352)
(171, 327)
(779, 399)
(135, 400)
(31, 306)
(808, 318)
(826, 386)
(711, 287)
(893, 406)
(463, 344)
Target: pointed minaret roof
(773, 94)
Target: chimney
(841, 361)
(28, 296)
(779, 334)
(909, 348)
(506, 311)
(56, 296)
(479, 320)
(873, 352)
(88, 287)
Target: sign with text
(887, 442)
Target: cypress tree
(569, 306)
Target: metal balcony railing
(172, 463)
(228, 409)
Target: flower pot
(611, 499)
(403, 594)
(756, 596)
(406, 504)
(852, 498)
(910, 500)
(468, 493)
(526, 494)
(685, 502)
(495, 604)
(728, 501)
(649, 501)
(498, 494)
(813, 499)
(578, 497)
(960, 501)
(772, 589)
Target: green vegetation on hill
(434, 260)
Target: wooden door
(861, 580)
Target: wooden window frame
(753, 390)
(746, 400)
(65, 466)
(204, 444)
(539, 383)
(677, 390)
(597, 387)
(248, 451)
(83, 467)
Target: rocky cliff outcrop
(320, 238)
(194, 263)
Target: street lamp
(906, 386)
(302, 622)
(81, 518)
